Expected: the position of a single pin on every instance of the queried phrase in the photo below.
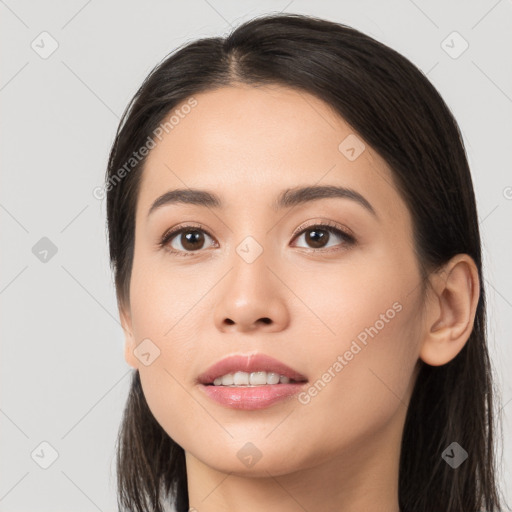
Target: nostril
(265, 320)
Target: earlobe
(450, 310)
(129, 344)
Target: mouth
(250, 382)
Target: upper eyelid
(302, 227)
(179, 229)
(325, 224)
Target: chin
(254, 458)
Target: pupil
(320, 236)
(190, 238)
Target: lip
(250, 397)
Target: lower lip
(252, 397)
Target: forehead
(247, 142)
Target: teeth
(272, 378)
(258, 378)
(227, 380)
(250, 379)
(241, 379)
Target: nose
(251, 298)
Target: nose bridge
(250, 236)
(251, 292)
(249, 265)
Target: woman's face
(343, 312)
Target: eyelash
(328, 226)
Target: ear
(450, 310)
(129, 344)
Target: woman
(295, 244)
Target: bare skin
(339, 450)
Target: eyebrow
(287, 198)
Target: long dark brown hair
(396, 110)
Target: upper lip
(249, 363)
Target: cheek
(365, 299)
(165, 300)
(358, 388)
(166, 307)
(365, 348)
(172, 405)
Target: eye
(319, 235)
(191, 240)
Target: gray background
(64, 380)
